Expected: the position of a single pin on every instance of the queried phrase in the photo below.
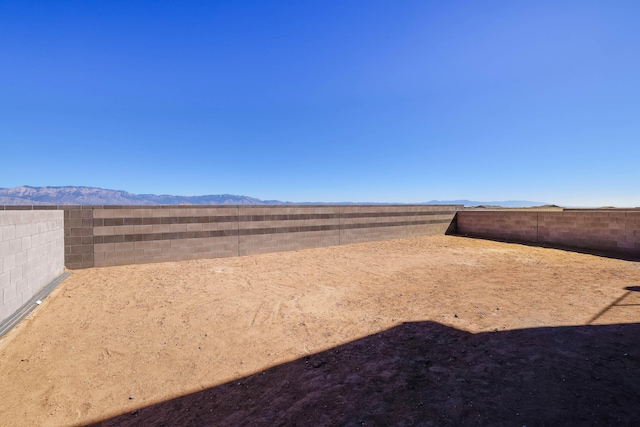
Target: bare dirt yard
(436, 330)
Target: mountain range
(502, 204)
(70, 195)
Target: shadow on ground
(628, 256)
(429, 374)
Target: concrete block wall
(99, 236)
(516, 226)
(283, 228)
(78, 236)
(371, 223)
(608, 231)
(115, 235)
(144, 234)
(615, 231)
(31, 255)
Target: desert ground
(435, 330)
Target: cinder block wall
(370, 223)
(99, 236)
(144, 234)
(516, 226)
(78, 236)
(615, 231)
(31, 255)
(284, 228)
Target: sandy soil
(435, 330)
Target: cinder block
(22, 287)
(180, 257)
(103, 231)
(125, 246)
(104, 247)
(161, 228)
(111, 256)
(152, 252)
(81, 213)
(99, 264)
(9, 293)
(80, 231)
(124, 213)
(143, 229)
(178, 228)
(103, 213)
(15, 245)
(16, 273)
(133, 254)
(143, 245)
(161, 244)
(79, 265)
(178, 243)
(9, 262)
(194, 227)
(22, 230)
(142, 213)
(81, 250)
(21, 258)
(73, 259)
(123, 230)
(8, 231)
(5, 279)
(157, 212)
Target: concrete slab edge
(8, 324)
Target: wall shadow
(452, 229)
(428, 374)
(601, 253)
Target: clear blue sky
(387, 101)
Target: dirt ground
(436, 330)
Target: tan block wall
(371, 223)
(147, 234)
(285, 228)
(133, 235)
(610, 231)
(517, 226)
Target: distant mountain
(26, 195)
(69, 195)
(503, 204)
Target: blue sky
(386, 101)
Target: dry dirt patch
(434, 330)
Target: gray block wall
(31, 255)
